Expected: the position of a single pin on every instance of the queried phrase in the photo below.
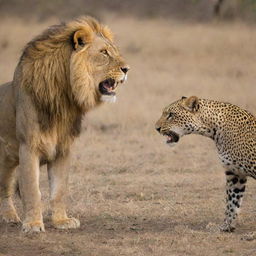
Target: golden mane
(44, 68)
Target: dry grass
(134, 195)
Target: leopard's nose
(158, 129)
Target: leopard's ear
(191, 103)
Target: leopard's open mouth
(108, 86)
(172, 137)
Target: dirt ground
(132, 193)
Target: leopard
(233, 130)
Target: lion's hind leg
(7, 169)
(8, 211)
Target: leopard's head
(178, 119)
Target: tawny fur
(55, 83)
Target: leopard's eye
(170, 115)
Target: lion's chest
(48, 146)
(56, 141)
(53, 145)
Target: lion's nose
(125, 69)
(158, 129)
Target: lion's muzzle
(108, 86)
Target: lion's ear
(191, 103)
(81, 38)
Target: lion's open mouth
(108, 86)
(172, 137)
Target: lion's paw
(10, 217)
(66, 223)
(31, 227)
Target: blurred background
(197, 10)
(133, 194)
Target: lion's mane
(45, 74)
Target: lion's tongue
(108, 87)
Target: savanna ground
(132, 193)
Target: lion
(62, 74)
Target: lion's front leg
(58, 178)
(29, 188)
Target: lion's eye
(104, 51)
(170, 115)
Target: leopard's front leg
(235, 187)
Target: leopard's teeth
(115, 85)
